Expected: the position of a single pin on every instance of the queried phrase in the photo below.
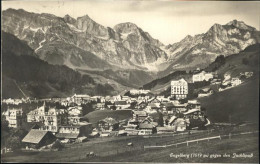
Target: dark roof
(168, 104)
(120, 103)
(167, 128)
(140, 113)
(109, 120)
(31, 125)
(146, 126)
(35, 136)
(153, 105)
(67, 135)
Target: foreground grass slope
(115, 149)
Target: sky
(168, 21)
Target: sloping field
(95, 116)
(237, 104)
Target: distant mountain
(202, 49)
(25, 75)
(124, 54)
(82, 43)
(245, 61)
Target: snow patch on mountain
(40, 45)
(125, 35)
(72, 27)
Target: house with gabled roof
(108, 124)
(38, 138)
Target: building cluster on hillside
(212, 77)
(150, 114)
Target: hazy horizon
(168, 21)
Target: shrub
(57, 145)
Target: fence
(200, 139)
(77, 152)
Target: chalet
(141, 105)
(151, 110)
(161, 98)
(75, 111)
(205, 92)
(100, 106)
(235, 81)
(163, 130)
(154, 100)
(248, 74)
(38, 138)
(180, 124)
(167, 107)
(131, 129)
(178, 108)
(74, 131)
(227, 76)
(8, 101)
(193, 113)
(27, 126)
(64, 103)
(95, 98)
(138, 92)
(108, 124)
(149, 120)
(125, 98)
(121, 105)
(193, 104)
(202, 76)
(143, 98)
(133, 121)
(215, 81)
(117, 98)
(146, 129)
(102, 100)
(78, 99)
(154, 106)
(15, 117)
(73, 120)
(139, 115)
(172, 120)
(224, 87)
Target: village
(149, 114)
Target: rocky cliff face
(83, 43)
(202, 49)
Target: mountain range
(25, 75)
(124, 54)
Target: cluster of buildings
(180, 89)
(150, 114)
(55, 123)
(15, 117)
(146, 117)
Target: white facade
(140, 91)
(14, 117)
(202, 76)
(179, 89)
(235, 81)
